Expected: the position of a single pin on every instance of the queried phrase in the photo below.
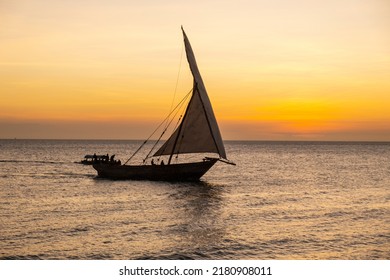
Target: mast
(180, 127)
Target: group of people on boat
(162, 162)
(106, 159)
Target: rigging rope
(178, 76)
(174, 129)
(169, 123)
(179, 104)
(177, 83)
(167, 118)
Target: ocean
(283, 200)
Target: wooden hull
(172, 172)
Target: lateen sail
(198, 131)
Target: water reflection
(162, 220)
(201, 215)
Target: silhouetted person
(112, 158)
(152, 161)
(162, 162)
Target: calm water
(281, 201)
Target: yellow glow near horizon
(280, 70)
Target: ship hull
(173, 172)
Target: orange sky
(274, 70)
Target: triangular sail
(198, 131)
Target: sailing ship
(197, 132)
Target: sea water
(283, 200)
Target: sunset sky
(274, 70)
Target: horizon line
(227, 140)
